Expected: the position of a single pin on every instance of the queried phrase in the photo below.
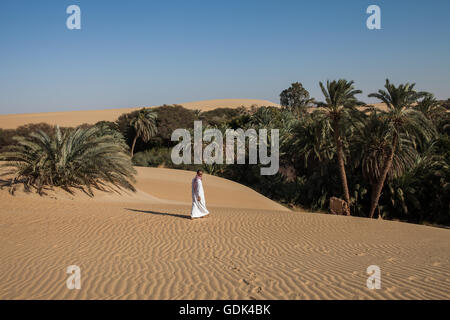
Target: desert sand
(144, 246)
(75, 118)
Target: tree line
(390, 162)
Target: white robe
(198, 207)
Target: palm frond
(83, 157)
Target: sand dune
(175, 186)
(75, 118)
(142, 246)
(164, 186)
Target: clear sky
(141, 53)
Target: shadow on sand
(161, 213)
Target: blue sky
(141, 53)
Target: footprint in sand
(361, 254)
(256, 290)
(430, 279)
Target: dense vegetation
(391, 163)
(83, 158)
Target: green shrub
(80, 158)
(153, 158)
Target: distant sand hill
(143, 246)
(75, 118)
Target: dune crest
(75, 118)
(164, 186)
(144, 246)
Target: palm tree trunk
(376, 191)
(341, 165)
(132, 146)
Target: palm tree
(78, 158)
(262, 117)
(421, 192)
(404, 125)
(372, 142)
(197, 113)
(144, 123)
(336, 114)
(311, 141)
(431, 108)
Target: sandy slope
(175, 186)
(75, 118)
(142, 246)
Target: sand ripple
(136, 250)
